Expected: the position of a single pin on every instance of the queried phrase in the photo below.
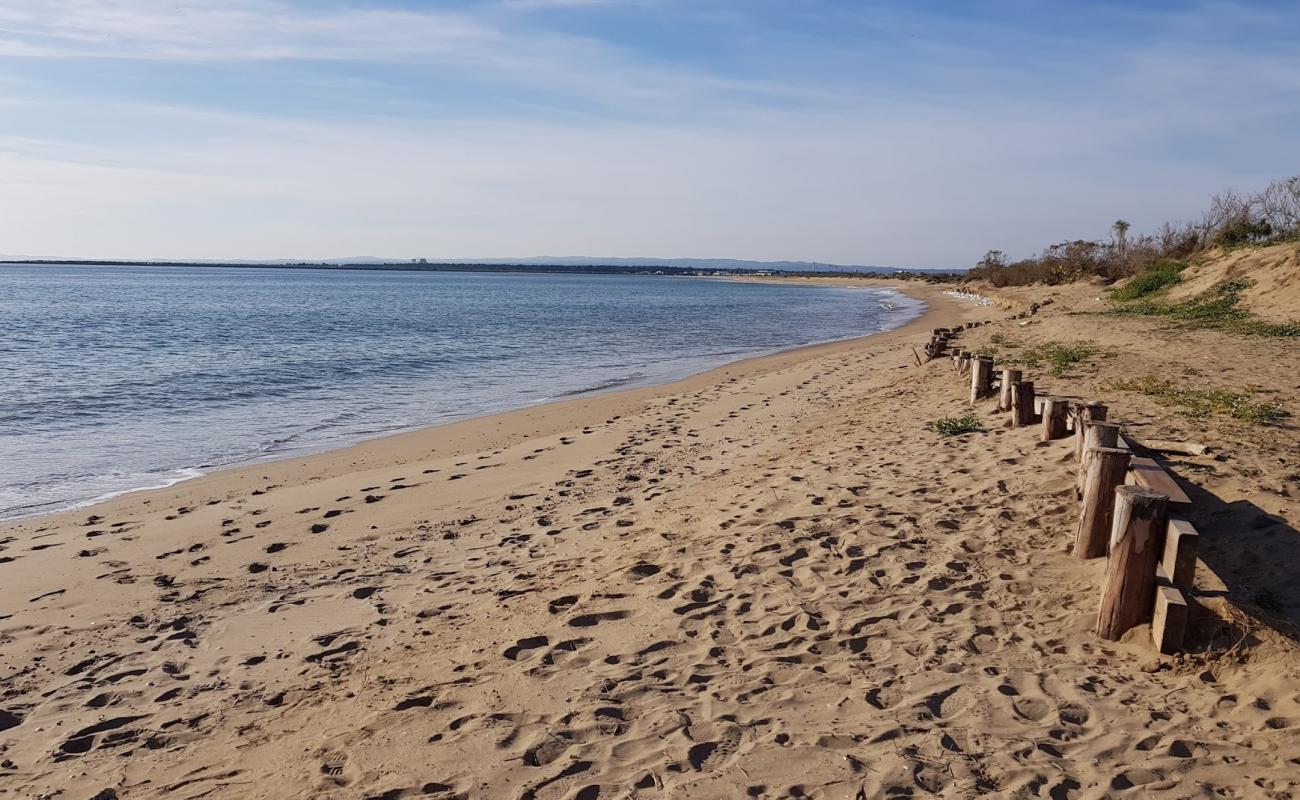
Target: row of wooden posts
(1130, 509)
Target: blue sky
(918, 133)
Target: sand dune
(765, 581)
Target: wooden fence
(1131, 511)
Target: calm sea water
(119, 378)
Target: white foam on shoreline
(972, 297)
(58, 506)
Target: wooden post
(1054, 412)
(1179, 558)
(1169, 620)
(1095, 434)
(1009, 376)
(1085, 413)
(1022, 404)
(1137, 538)
(963, 361)
(981, 378)
(1106, 470)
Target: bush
(1232, 220)
(955, 426)
(1159, 275)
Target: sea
(119, 378)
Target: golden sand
(767, 580)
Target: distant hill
(537, 261)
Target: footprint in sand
(590, 620)
(521, 649)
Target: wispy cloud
(238, 29)
(763, 129)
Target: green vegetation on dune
(1059, 357)
(1235, 403)
(1216, 309)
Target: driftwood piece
(1107, 467)
(1182, 448)
(1137, 539)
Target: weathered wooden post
(963, 362)
(1085, 413)
(1095, 434)
(1022, 404)
(1009, 376)
(1054, 414)
(1107, 467)
(1169, 620)
(1137, 537)
(981, 378)
(1179, 558)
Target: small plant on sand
(1058, 356)
(1240, 405)
(955, 426)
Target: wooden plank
(1179, 560)
(1147, 473)
(1169, 620)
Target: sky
(917, 133)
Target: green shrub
(1161, 274)
(955, 426)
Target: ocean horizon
(126, 378)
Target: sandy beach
(768, 580)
